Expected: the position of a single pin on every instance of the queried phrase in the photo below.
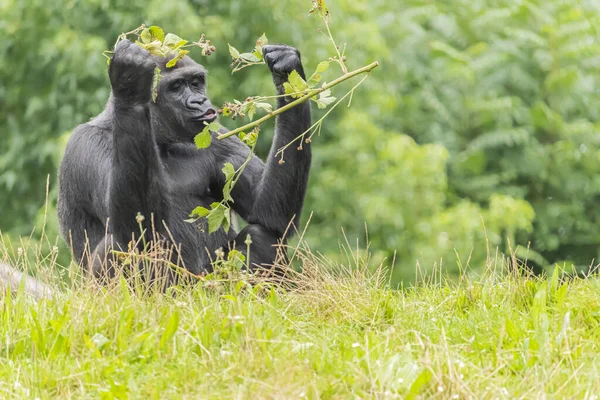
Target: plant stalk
(303, 99)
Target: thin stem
(318, 124)
(303, 99)
(276, 96)
(239, 171)
(145, 257)
(247, 64)
(236, 178)
(340, 59)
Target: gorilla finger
(138, 51)
(267, 49)
(272, 49)
(281, 58)
(287, 63)
(270, 54)
(271, 58)
(280, 54)
(122, 45)
(145, 58)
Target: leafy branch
(243, 60)
(316, 127)
(296, 88)
(305, 96)
(154, 40)
(219, 213)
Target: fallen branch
(12, 278)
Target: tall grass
(334, 330)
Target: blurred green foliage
(478, 130)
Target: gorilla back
(137, 157)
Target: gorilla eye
(175, 86)
(197, 82)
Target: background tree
(483, 111)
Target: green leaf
(229, 171)
(251, 110)
(258, 54)
(154, 47)
(235, 54)
(316, 78)
(214, 126)
(295, 85)
(319, 5)
(250, 138)
(227, 188)
(322, 8)
(146, 36)
(325, 99)
(172, 62)
(155, 81)
(260, 42)
(227, 220)
(99, 340)
(289, 89)
(173, 41)
(249, 57)
(157, 33)
(199, 212)
(241, 284)
(179, 44)
(322, 67)
(265, 106)
(421, 380)
(297, 82)
(170, 329)
(229, 297)
(88, 342)
(179, 56)
(203, 139)
(215, 218)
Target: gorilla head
(182, 105)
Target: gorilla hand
(282, 60)
(131, 71)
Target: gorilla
(138, 156)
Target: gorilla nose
(196, 103)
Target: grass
(340, 332)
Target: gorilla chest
(189, 186)
(188, 180)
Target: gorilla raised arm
(138, 156)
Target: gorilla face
(182, 101)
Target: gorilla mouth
(210, 115)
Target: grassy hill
(340, 332)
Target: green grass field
(339, 333)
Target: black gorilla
(138, 156)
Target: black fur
(139, 156)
